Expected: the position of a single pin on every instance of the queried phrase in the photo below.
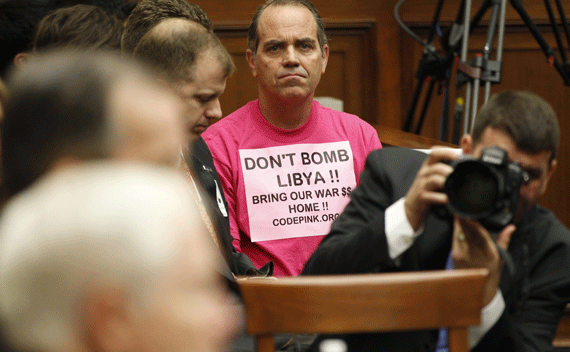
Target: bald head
(149, 13)
(171, 47)
(174, 45)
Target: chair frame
(365, 303)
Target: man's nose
(214, 110)
(291, 57)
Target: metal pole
(464, 50)
(500, 40)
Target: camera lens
(472, 189)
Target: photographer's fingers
(477, 249)
(435, 172)
(474, 232)
(505, 236)
(472, 246)
(425, 190)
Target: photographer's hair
(79, 26)
(253, 31)
(527, 118)
(148, 13)
(60, 106)
(173, 46)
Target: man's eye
(273, 48)
(204, 100)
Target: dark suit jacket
(535, 297)
(201, 163)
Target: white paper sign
(296, 190)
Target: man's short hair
(253, 31)
(524, 116)
(80, 26)
(59, 105)
(118, 8)
(18, 22)
(149, 13)
(174, 45)
(91, 224)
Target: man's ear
(325, 57)
(251, 62)
(467, 144)
(21, 58)
(551, 169)
(108, 325)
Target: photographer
(391, 224)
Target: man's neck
(286, 114)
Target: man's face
(190, 308)
(538, 166)
(201, 96)
(289, 61)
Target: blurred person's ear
(107, 321)
(21, 58)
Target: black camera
(485, 189)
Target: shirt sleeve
(490, 314)
(399, 233)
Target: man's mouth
(289, 75)
(199, 129)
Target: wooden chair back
(365, 303)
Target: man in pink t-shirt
(287, 164)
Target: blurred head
(111, 257)
(194, 63)
(72, 106)
(525, 125)
(287, 50)
(79, 26)
(3, 98)
(149, 13)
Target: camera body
(485, 189)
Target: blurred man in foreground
(114, 257)
(67, 107)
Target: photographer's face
(538, 166)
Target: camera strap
(508, 259)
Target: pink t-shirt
(285, 187)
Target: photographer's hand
(425, 191)
(473, 247)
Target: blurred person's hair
(149, 13)
(253, 31)
(18, 23)
(525, 117)
(173, 46)
(93, 224)
(118, 8)
(3, 99)
(79, 26)
(60, 106)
